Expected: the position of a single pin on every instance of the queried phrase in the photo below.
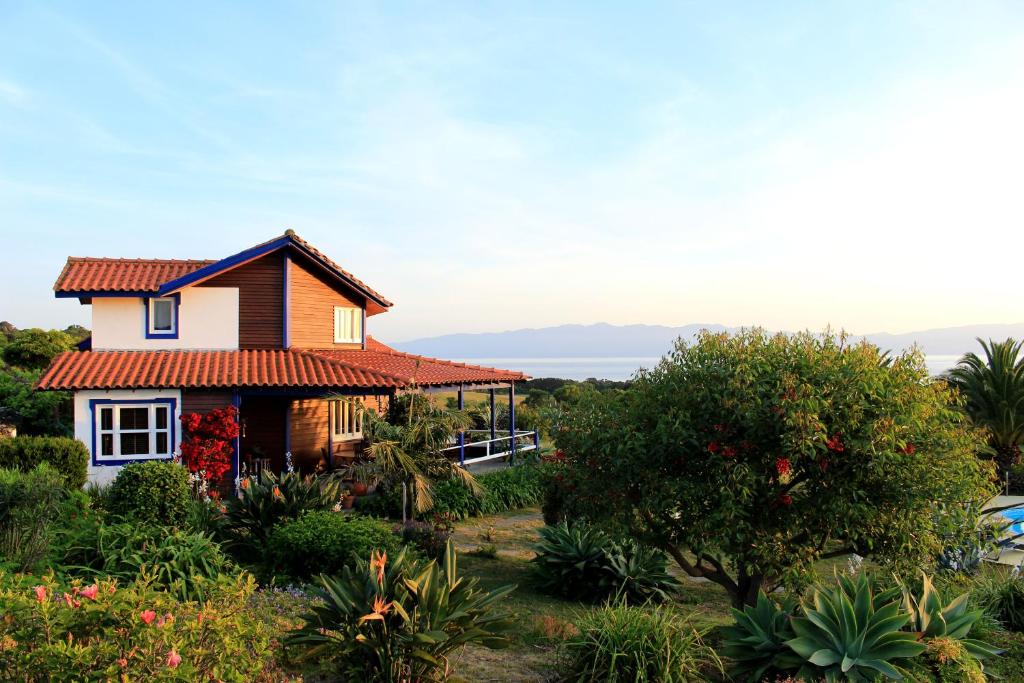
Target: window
(133, 430)
(346, 420)
(162, 317)
(348, 325)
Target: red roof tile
(121, 275)
(413, 370)
(75, 370)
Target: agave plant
(571, 561)
(266, 501)
(852, 633)
(399, 620)
(932, 618)
(637, 573)
(756, 642)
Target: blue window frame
(130, 430)
(162, 320)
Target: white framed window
(348, 325)
(163, 316)
(126, 431)
(346, 420)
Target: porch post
(236, 402)
(494, 425)
(462, 434)
(512, 418)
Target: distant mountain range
(647, 341)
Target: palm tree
(411, 452)
(994, 392)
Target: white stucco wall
(207, 319)
(100, 473)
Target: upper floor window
(136, 430)
(348, 325)
(162, 317)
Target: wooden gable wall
(311, 301)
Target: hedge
(323, 542)
(511, 488)
(68, 456)
(155, 491)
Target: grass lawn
(542, 617)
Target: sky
(494, 166)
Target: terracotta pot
(348, 501)
(359, 489)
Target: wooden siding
(311, 301)
(197, 401)
(260, 286)
(309, 432)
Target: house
(279, 331)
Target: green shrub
(325, 542)
(638, 645)
(30, 502)
(180, 562)
(385, 503)
(398, 619)
(946, 660)
(152, 491)
(511, 488)
(933, 617)
(430, 538)
(267, 501)
(1001, 593)
(68, 456)
(54, 631)
(581, 562)
(454, 498)
(207, 517)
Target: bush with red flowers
(750, 457)
(208, 446)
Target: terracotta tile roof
(83, 274)
(74, 370)
(413, 370)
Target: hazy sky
(490, 166)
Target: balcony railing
(474, 451)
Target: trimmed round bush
(154, 491)
(323, 542)
(68, 456)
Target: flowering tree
(748, 458)
(207, 447)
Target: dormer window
(162, 317)
(348, 325)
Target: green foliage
(1001, 594)
(153, 491)
(756, 642)
(181, 562)
(69, 636)
(946, 660)
(511, 488)
(398, 619)
(581, 562)
(267, 501)
(66, 455)
(637, 645)
(430, 538)
(325, 542)
(33, 412)
(932, 617)
(207, 517)
(385, 503)
(852, 632)
(994, 392)
(750, 457)
(454, 498)
(30, 502)
(33, 349)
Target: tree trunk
(748, 586)
(1006, 457)
(404, 497)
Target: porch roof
(377, 367)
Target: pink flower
(164, 620)
(90, 591)
(173, 659)
(71, 601)
(40, 593)
(147, 616)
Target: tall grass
(639, 645)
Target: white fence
(498, 447)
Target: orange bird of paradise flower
(377, 561)
(380, 608)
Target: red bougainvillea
(207, 447)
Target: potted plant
(365, 476)
(347, 499)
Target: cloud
(13, 94)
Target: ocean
(622, 368)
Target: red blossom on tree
(728, 452)
(782, 466)
(786, 500)
(207, 447)
(908, 449)
(835, 444)
(714, 447)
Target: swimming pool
(1017, 517)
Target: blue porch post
(512, 419)
(462, 435)
(494, 423)
(236, 402)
